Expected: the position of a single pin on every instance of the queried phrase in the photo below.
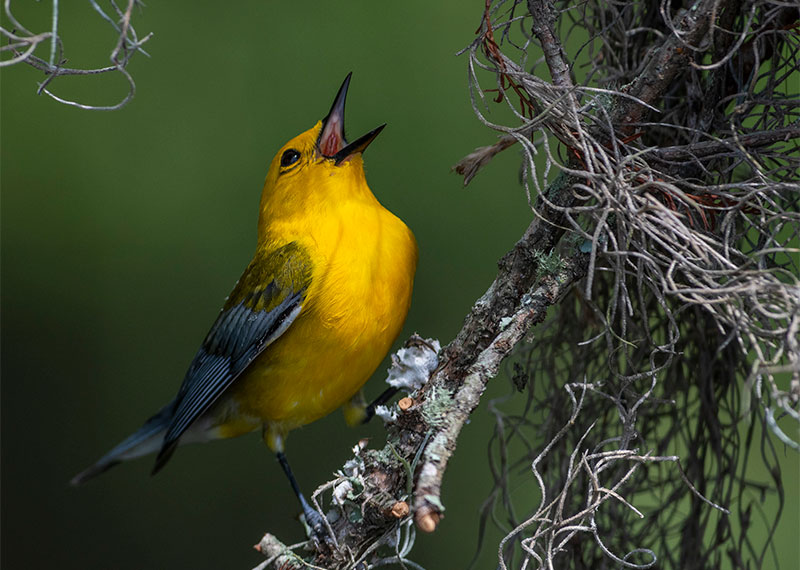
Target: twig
(23, 43)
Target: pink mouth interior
(330, 142)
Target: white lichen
(387, 414)
(412, 366)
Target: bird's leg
(313, 518)
(379, 401)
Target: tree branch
(532, 309)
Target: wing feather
(266, 300)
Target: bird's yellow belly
(291, 387)
(347, 326)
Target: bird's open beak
(331, 142)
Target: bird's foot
(318, 530)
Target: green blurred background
(122, 233)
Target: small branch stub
(399, 510)
(405, 404)
(278, 555)
(427, 519)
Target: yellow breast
(364, 259)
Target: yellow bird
(311, 317)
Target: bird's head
(317, 169)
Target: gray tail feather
(146, 440)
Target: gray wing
(267, 299)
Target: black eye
(289, 157)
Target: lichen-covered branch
(532, 309)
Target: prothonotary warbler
(311, 317)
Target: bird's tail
(146, 440)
